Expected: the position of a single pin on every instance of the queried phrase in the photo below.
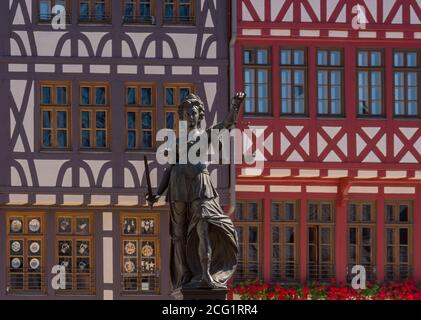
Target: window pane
(247, 56)
(46, 95)
(146, 120)
(326, 212)
(169, 8)
(84, 9)
(276, 216)
(289, 212)
(61, 95)
(62, 138)
(313, 212)
(411, 59)
(169, 96)
(275, 234)
(61, 119)
(362, 59)
(101, 139)
(286, 57)
(100, 119)
(100, 96)
(146, 94)
(335, 58)
(252, 211)
(299, 57)
(239, 211)
(99, 10)
(131, 139)
(44, 10)
(46, 119)
(128, 8)
(352, 235)
(352, 213)
(367, 236)
(145, 8)
(147, 139)
(322, 58)
(86, 139)
(403, 214)
(376, 59)
(86, 119)
(85, 95)
(131, 120)
(184, 8)
(399, 58)
(389, 213)
(184, 92)
(403, 236)
(252, 234)
(170, 121)
(46, 138)
(412, 79)
(262, 56)
(131, 96)
(289, 235)
(366, 217)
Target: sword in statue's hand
(150, 197)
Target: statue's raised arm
(231, 118)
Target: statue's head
(192, 110)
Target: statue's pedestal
(200, 294)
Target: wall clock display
(148, 249)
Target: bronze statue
(204, 244)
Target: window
(370, 83)
(248, 226)
(97, 11)
(140, 263)
(398, 225)
(75, 251)
(45, 9)
(320, 219)
(284, 242)
(140, 115)
(94, 115)
(329, 82)
(179, 11)
(174, 96)
(361, 238)
(406, 74)
(256, 80)
(26, 253)
(55, 105)
(293, 81)
(139, 11)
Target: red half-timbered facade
(335, 86)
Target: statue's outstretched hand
(239, 98)
(152, 198)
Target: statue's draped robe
(191, 184)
